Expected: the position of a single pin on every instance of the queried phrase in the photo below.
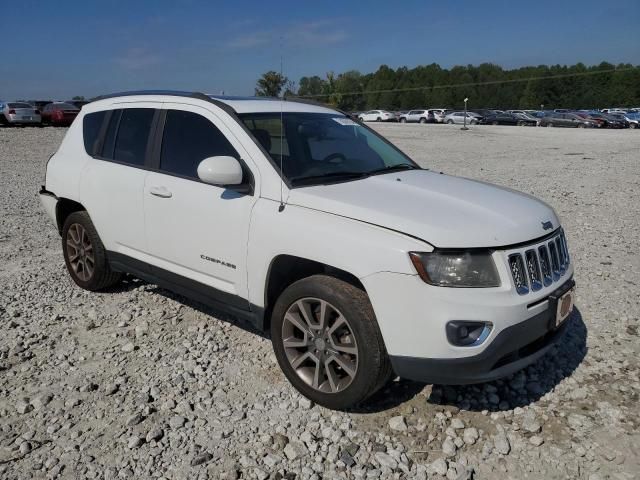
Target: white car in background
(377, 116)
(416, 116)
(357, 262)
(458, 118)
(438, 114)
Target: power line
(472, 84)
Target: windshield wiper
(331, 176)
(394, 168)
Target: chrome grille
(540, 264)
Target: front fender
(356, 247)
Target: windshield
(317, 148)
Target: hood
(445, 211)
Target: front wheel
(327, 342)
(449, 122)
(85, 255)
(423, 120)
(403, 120)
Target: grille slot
(533, 269)
(539, 265)
(518, 272)
(545, 265)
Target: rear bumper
(514, 348)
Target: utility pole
(464, 127)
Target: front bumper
(512, 349)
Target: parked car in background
(59, 113)
(633, 118)
(458, 118)
(598, 120)
(485, 112)
(530, 119)
(438, 114)
(565, 120)
(508, 119)
(419, 116)
(620, 118)
(613, 110)
(377, 116)
(40, 104)
(19, 113)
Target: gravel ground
(140, 383)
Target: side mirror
(221, 171)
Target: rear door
(195, 230)
(112, 184)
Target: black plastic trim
(230, 304)
(44, 191)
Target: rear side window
(128, 134)
(91, 125)
(188, 139)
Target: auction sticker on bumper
(565, 306)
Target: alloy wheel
(80, 252)
(320, 345)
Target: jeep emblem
(547, 225)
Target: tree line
(486, 85)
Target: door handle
(161, 192)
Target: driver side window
(189, 138)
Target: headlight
(456, 269)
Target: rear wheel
(378, 119)
(403, 120)
(581, 125)
(450, 122)
(327, 342)
(423, 120)
(549, 124)
(494, 123)
(85, 255)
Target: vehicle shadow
(129, 283)
(522, 388)
(527, 385)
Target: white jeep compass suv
(312, 227)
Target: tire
(473, 122)
(449, 122)
(79, 235)
(581, 125)
(342, 300)
(423, 120)
(494, 123)
(378, 119)
(403, 120)
(549, 124)
(633, 125)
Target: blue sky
(53, 50)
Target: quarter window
(91, 125)
(188, 139)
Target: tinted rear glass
(64, 106)
(133, 135)
(188, 139)
(91, 125)
(19, 105)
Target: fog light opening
(466, 333)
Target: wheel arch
(286, 269)
(64, 208)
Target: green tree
(270, 84)
(310, 86)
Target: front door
(196, 230)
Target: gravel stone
(398, 424)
